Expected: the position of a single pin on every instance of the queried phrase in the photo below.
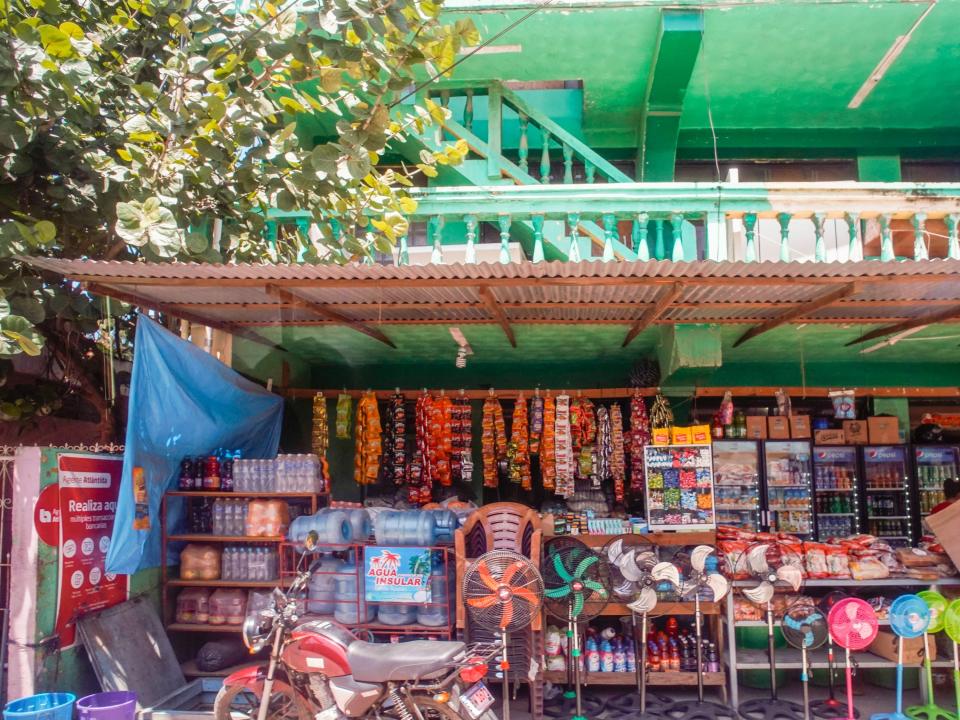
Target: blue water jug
(360, 524)
(412, 527)
(321, 591)
(446, 523)
(332, 526)
(391, 614)
(351, 608)
(437, 612)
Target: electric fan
(767, 565)
(575, 581)
(503, 592)
(805, 628)
(830, 708)
(938, 608)
(951, 623)
(635, 574)
(698, 574)
(853, 626)
(909, 618)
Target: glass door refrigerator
(835, 487)
(736, 480)
(886, 489)
(933, 465)
(789, 487)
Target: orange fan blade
(527, 595)
(484, 571)
(507, 615)
(483, 602)
(511, 571)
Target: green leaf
(45, 232)
(197, 242)
(55, 42)
(22, 333)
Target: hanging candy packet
(843, 404)
(344, 410)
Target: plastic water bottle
(218, 511)
(619, 656)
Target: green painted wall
(878, 168)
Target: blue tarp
(183, 402)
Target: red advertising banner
(89, 487)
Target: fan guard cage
(853, 624)
(643, 558)
(951, 620)
(502, 590)
(804, 626)
(909, 616)
(576, 579)
(938, 608)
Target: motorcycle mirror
(311, 541)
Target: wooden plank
(839, 320)
(664, 608)
(490, 300)
(332, 315)
(818, 303)
(665, 539)
(666, 296)
(950, 313)
(130, 298)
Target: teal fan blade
(556, 593)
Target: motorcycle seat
(396, 662)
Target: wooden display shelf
(177, 582)
(190, 669)
(665, 539)
(207, 628)
(201, 537)
(666, 608)
(653, 678)
(237, 494)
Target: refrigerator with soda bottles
(933, 465)
(789, 487)
(736, 480)
(888, 494)
(835, 491)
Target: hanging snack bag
(843, 404)
(344, 411)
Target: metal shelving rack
(788, 658)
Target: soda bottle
(186, 474)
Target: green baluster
(659, 249)
(468, 111)
(504, 221)
(676, 225)
(524, 150)
(590, 171)
(953, 242)
(567, 164)
(641, 229)
(435, 230)
(609, 235)
(920, 251)
(335, 231)
(545, 158)
(855, 246)
(573, 220)
(270, 233)
(784, 220)
(819, 247)
(445, 98)
(886, 238)
(470, 255)
(403, 256)
(537, 221)
(750, 226)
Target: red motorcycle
(319, 670)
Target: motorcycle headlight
(256, 632)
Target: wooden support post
(573, 220)
(504, 222)
(641, 229)
(490, 300)
(949, 313)
(659, 250)
(920, 251)
(537, 222)
(750, 228)
(664, 299)
(794, 313)
(403, 255)
(590, 170)
(819, 246)
(468, 111)
(470, 255)
(784, 220)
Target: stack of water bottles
(248, 563)
(229, 517)
(284, 473)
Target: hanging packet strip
(320, 438)
(394, 465)
(420, 487)
(494, 440)
(367, 442)
(440, 441)
(520, 462)
(604, 445)
(344, 408)
(617, 458)
(564, 448)
(461, 462)
(639, 438)
(548, 446)
(536, 424)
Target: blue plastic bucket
(107, 706)
(46, 706)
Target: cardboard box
(884, 430)
(828, 437)
(700, 434)
(945, 525)
(680, 435)
(778, 427)
(800, 427)
(756, 427)
(885, 645)
(660, 436)
(855, 432)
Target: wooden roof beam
(169, 309)
(495, 309)
(818, 303)
(293, 300)
(949, 313)
(664, 298)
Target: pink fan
(853, 626)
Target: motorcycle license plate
(476, 700)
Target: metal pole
(699, 619)
(805, 678)
(505, 668)
(642, 664)
(772, 651)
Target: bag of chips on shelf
(815, 556)
(868, 569)
(734, 558)
(838, 562)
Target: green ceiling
(780, 65)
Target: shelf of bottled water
(284, 473)
(249, 563)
